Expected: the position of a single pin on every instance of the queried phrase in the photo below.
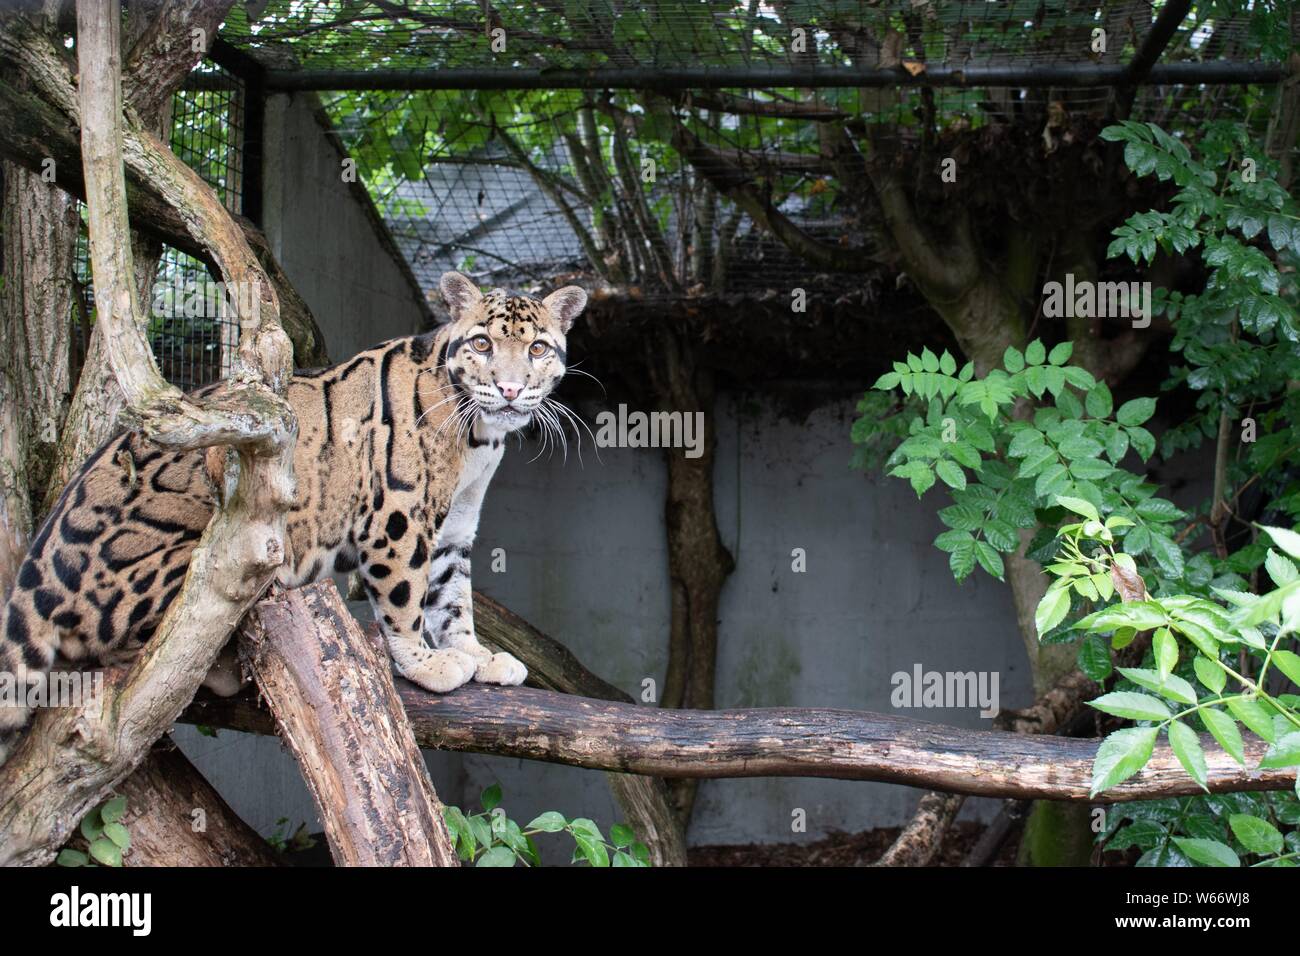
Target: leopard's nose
(510, 390)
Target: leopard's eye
(481, 343)
(538, 349)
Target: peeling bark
(331, 691)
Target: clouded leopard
(395, 450)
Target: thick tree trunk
(698, 563)
(39, 226)
(331, 691)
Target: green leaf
(1288, 541)
(1098, 401)
(1090, 469)
(112, 811)
(1051, 480)
(1165, 646)
(71, 858)
(1060, 354)
(1143, 442)
(620, 834)
(1187, 748)
(961, 561)
(1012, 359)
(989, 559)
(119, 835)
(91, 828)
(592, 850)
(549, 822)
(951, 473)
(1035, 353)
(1036, 460)
(497, 856)
(1282, 571)
(1224, 729)
(1078, 506)
(1209, 673)
(1289, 664)
(1207, 852)
(491, 798)
(1167, 554)
(106, 852)
(1256, 835)
(1121, 755)
(1025, 441)
(1079, 447)
(1136, 411)
(1173, 686)
(1253, 715)
(1094, 658)
(1051, 609)
(1158, 509)
(1285, 752)
(1131, 705)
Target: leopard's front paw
(437, 670)
(502, 669)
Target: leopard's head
(505, 350)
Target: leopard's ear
(566, 305)
(459, 292)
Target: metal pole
(664, 79)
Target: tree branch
(778, 742)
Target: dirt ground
(844, 849)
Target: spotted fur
(395, 451)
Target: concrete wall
(326, 236)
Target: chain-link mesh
(191, 328)
(527, 186)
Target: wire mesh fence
(524, 186)
(192, 328)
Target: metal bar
(1157, 38)
(666, 79)
(1144, 60)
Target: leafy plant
(107, 840)
(1005, 470)
(1037, 449)
(284, 841)
(490, 838)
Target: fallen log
(777, 742)
(331, 691)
